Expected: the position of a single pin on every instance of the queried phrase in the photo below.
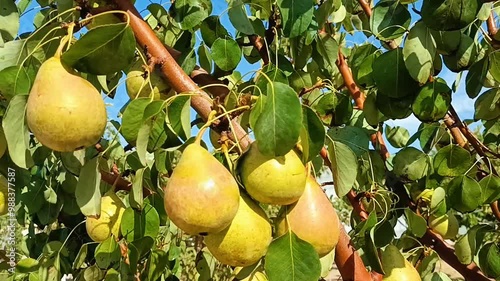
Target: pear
(273, 180)
(396, 267)
(312, 218)
(201, 196)
(138, 83)
(64, 111)
(245, 240)
(4, 187)
(445, 225)
(109, 222)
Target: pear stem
(225, 150)
(59, 50)
(211, 119)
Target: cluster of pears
(445, 225)
(202, 197)
(64, 111)
(109, 222)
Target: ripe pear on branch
(445, 225)
(64, 111)
(245, 240)
(273, 180)
(312, 218)
(109, 222)
(201, 196)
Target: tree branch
(176, 77)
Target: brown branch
(455, 131)
(366, 7)
(447, 253)
(348, 261)
(492, 26)
(259, 44)
(176, 77)
(357, 95)
(318, 85)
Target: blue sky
(460, 100)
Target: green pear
(142, 84)
(64, 111)
(396, 267)
(201, 196)
(312, 218)
(109, 222)
(273, 180)
(245, 240)
(445, 225)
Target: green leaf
(494, 65)
(238, 17)
(17, 132)
(389, 20)
(14, 80)
(132, 118)
(190, 13)
(211, 29)
(296, 15)
(327, 47)
(107, 253)
(81, 256)
(156, 264)
(439, 276)
(416, 224)
(9, 20)
(136, 196)
(344, 163)
(87, 192)
(396, 81)
(312, 136)
(290, 258)
(449, 14)
(490, 188)
(137, 224)
(428, 265)
(452, 160)
(178, 117)
(356, 138)
(467, 246)
(397, 136)
(438, 202)
(464, 194)
(489, 259)
(103, 50)
(226, 53)
(27, 265)
(205, 58)
(464, 56)
(419, 52)
(143, 139)
(475, 77)
(411, 163)
(10, 52)
(278, 127)
(432, 101)
(487, 105)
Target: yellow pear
(138, 83)
(201, 196)
(445, 225)
(64, 111)
(109, 222)
(245, 240)
(312, 218)
(396, 267)
(273, 180)
(4, 187)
